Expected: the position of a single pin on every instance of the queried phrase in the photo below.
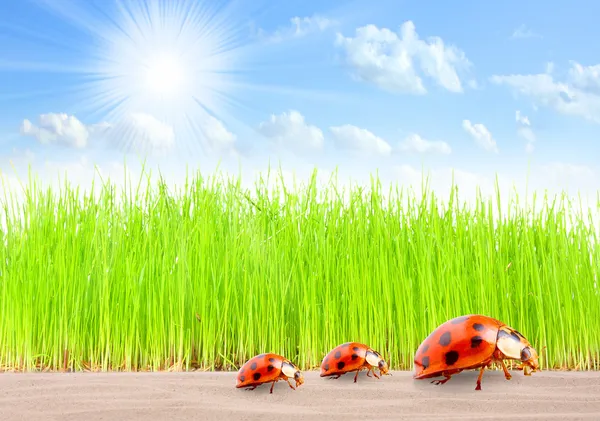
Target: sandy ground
(212, 396)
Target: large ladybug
(352, 356)
(471, 342)
(268, 368)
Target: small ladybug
(352, 356)
(471, 342)
(265, 368)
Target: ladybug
(265, 368)
(352, 356)
(470, 342)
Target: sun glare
(164, 75)
(176, 61)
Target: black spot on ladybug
(242, 371)
(242, 379)
(459, 320)
(476, 341)
(253, 365)
(445, 339)
(425, 349)
(478, 327)
(256, 376)
(356, 349)
(338, 355)
(271, 360)
(326, 367)
(270, 368)
(341, 365)
(451, 357)
(354, 356)
(425, 362)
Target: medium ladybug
(265, 368)
(352, 356)
(470, 342)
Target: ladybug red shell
(352, 356)
(470, 342)
(268, 368)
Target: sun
(177, 61)
(164, 75)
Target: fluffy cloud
(524, 130)
(299, 27)
(142, 132)
(137, 131)
(415, 143)
(586, 78)
(481, 135)
(397, 62)
(218, 134)
(290, 130)
(524, 32)
(60, 129)
(359, 140)
(578, 95)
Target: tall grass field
(212, 273)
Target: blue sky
(394, 86)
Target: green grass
(209, 275)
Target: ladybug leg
(356, 375)
(252, 387)
(478, 387)
(506, 373)
(369, 371)
(446, 378)
(288, 381)
(273, 385)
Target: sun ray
(76, 14)
(32, 66)
(181, 62)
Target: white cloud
(586, 78)
(397, 62)
(415, 143)
(138, 131)
(481, 135)
(578, 95)
(290, 130)
(524, 32)
(354, 138)
(299, 27)
(58, 128)
(522, 119)
(218, 134)
(143, 132)
(525, 131)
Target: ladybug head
(289, 369)
(376, 360)
(383, 367)
(529, 358)
(298, 377)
